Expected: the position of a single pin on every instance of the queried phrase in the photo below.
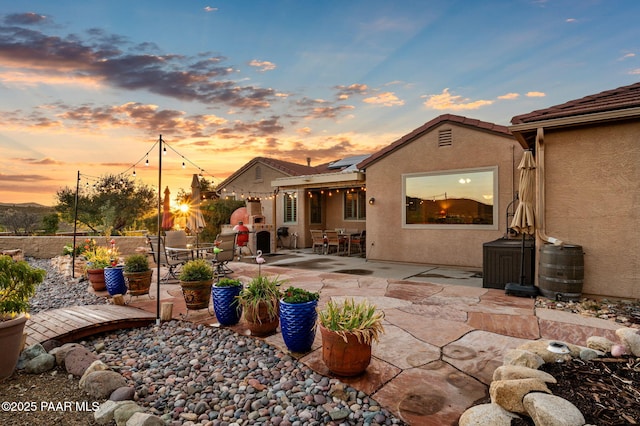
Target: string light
(134, 171)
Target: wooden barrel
(561, 272)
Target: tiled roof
(610, 100)
(464, 121)
(286, 167)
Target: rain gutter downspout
(540, 191)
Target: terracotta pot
(259, 322)
(96, 278)
(197, 294)
(11, 332)
(138, 282)
(349, 358)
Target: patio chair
(226, 242)
(317, 238)
(172, 263)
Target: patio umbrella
(167, 216)
(195, 221)
(524, 219)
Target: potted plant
(18, 283)
(196, 279)
(137, 274)
(260, 302)
(97, 260)
(225, 301)
(348, 330)
(298, 317)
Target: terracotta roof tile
(470, 122)
(286, 167)
(610, 100)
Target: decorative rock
(100, 384)
(124, 411)
(30, 353)
(587, 354)
(599, 343)
(125, 393)
(509, 393)
(630, 338)
(96, 365)
(618, 350)
(104, 414)
(49, 345)
(61, 352)
(515, 372)
(551, 410)
(40, 364)
(144, 419)
(522, 358)
(487, 414)
(78, 360)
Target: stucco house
(588, 184)
(441, 191)
(298, 197)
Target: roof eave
(324, 179)
(525, 132)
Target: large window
(290, 207)
(354, 204)
(460, 198)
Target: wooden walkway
(77, 322)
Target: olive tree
(112, 205)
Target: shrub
(361, 319)
(196, 270)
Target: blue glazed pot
(298, 325)
(225, 304)
(114, 280)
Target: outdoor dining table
(192, 250)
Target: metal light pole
(160, 141)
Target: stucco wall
(388, 240)
(592, 179)
(246, 185)
(49, 247)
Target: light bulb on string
(164, 150)
(146, 163)
(134, 171)
(183, 165)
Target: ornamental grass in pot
(97, 260)
(259, 300)
(226, 305)
(137, 274)
(298, 316)
(348, 330)
(196, 279)
(18, 283)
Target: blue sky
(90, 85)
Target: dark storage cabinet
(501, 262)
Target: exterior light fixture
(372, 200)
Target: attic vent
(445, 138)
(258, 173)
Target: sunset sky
(90, 85)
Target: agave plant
(348, 317)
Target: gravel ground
(192, 375)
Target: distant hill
(23, 205)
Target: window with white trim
(290, 207)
